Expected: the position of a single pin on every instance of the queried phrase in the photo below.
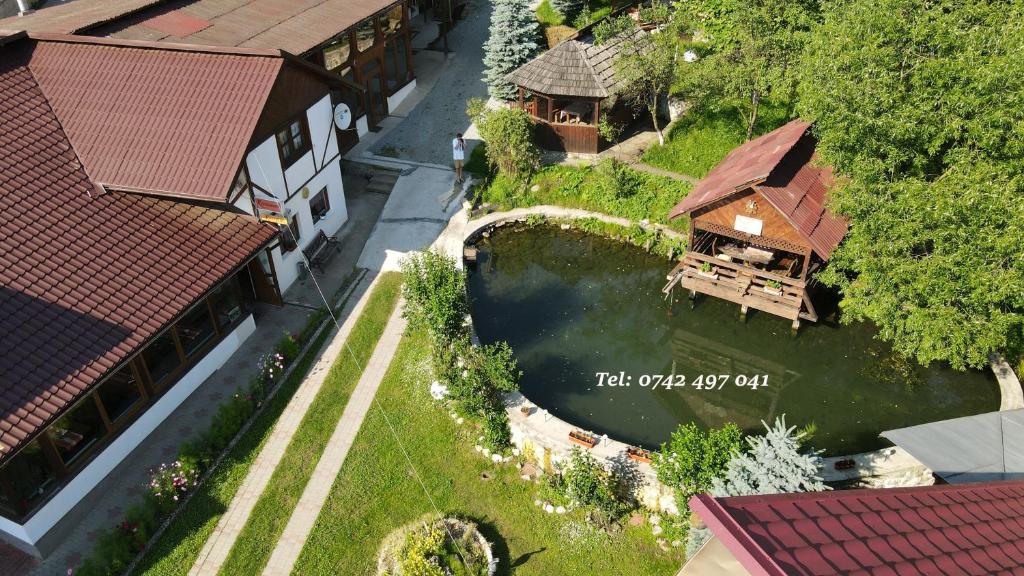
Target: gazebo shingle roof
(577, 67)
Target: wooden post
(521, 99)
(551, 108)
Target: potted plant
(773, 287)
(708, 271)
(582, 438)
(525, 409)
(638, 454)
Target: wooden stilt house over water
(759, 226)
(567, 90)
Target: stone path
(425, 134)
(662, 172)
(306, 512)
(218, 546)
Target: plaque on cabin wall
(748, 225)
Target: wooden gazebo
(565, 88)
(759, 225)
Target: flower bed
(432, 544)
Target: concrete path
(306, 512)
(218, 546)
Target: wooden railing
(743, 285)
(568, 137)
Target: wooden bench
(321, 250)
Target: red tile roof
(86, 277)
(782, 166)
(962, 529)
(296, 26)
(142, 117)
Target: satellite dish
(342, 116)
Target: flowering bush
(170, 482)
(271, 366)
(288, 347)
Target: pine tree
(773, 465)
(512, 43)
(568, 8)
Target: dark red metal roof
(781, 165)
(141, 117)
(87, 277)
(970, 529)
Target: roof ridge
(583, 54)
(156, 45)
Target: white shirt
(458, 150)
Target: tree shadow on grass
(499, 548)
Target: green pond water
(573, 305)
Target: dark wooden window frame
(296, 153)
(150, 393)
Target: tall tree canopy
(920, 105)
(754, 47)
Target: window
(195, 329)
(29, 477)
(77, 430)
(396, 62)
(391, 21)
(319, 205)
(227, 303)
(290, 235)
(240, 185)
(365, 35)
(161, 357)
(349, 95)
(119, 393)
(293, 141)
(337, 54)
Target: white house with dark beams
(298, 167)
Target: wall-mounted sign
(269, 205)
(279, 220)
(342, 116)
(748, 225)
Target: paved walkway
(218, 546)
(306, 512)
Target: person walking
(458, 155)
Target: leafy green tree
(920, 107)
(434, 289)
(646, 66)
(512, 43)
(587, 483)
(693, 458)
(754, 47)
(508, 133)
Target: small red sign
(269, 205)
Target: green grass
(702, 138)
(254, 545)
(622, 192)
(376, 492)
(548, 16)
(555, 27)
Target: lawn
(272, 511)
(556, 29)
(703, 137)
(613, 189)
(376, 491)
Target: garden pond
(581, 310)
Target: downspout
(24, 7)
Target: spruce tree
(773, 465)
(512, 43)
(569, 9)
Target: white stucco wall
(397, 98)
(61, 503)
(318, 169)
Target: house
(133, 180)
(365, 42)
(567, 89)
(760, 225)
(970, 529)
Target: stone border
(451, 523)
(886, 467)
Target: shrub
(586, 483)
(508, 133)
(693, 459)
(476, 378)
(435, 295)
(271, 366)
(497, 435)
(288, 347)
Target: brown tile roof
(576, 67)
(295, 26)
(154, 118)
(86, 277)
(781, 165)
(961, 529)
